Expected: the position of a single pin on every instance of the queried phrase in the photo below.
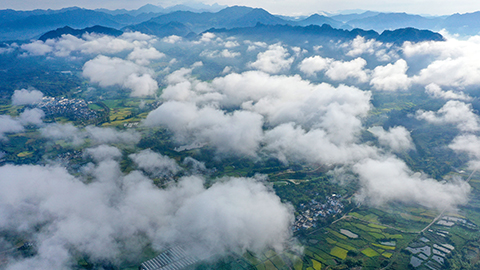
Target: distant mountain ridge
(21, 25)
(161, 30)
(97, 29)
(231, 17)
(326, 32)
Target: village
(77, 109)
(314, 211)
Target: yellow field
(367, 228)
(317, 265)
(370, 252)
(387, 254)
(25, 154)
(377, 226)
(339, 252)
(331, 241)
(383, 246)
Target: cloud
(340, 71)
(108, 71)
(217, 53)
(89, 44)
(26, 97)
(360, 45)
(312, 65)
(67, 132)
(289, 143)
(231, 44)
(103, 152)
(453, 112)
(103, 135)
(97, 135)
(195, 166)
(113, 216)
(470, 144)
(230, 133)
(142, 56)
(207, 37)
(396, 138)
(390, 180)
(9, 125)
(437, 92)
(241, 106)
(37, 47)
(32, 117)
(274, 60)
(172, 39)
(335, 70)
(455, 63)
(254, 45)
(154, 163)
(391, 77)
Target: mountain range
(185, 20)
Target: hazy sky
(287, 7)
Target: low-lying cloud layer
(115, 215)
(246, 101)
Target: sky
(285, 7)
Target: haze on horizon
(284, 7)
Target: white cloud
(217, 53)
(390, 180)
(142, 56)
(103, 135)
(112, 216)
(437, 92)
(108, 71)
(9, 125)
(154, 163)
(453, 112)
(207, 37)
(89, 44)
(340, 71)
(231, 133)
(231, 44)
(26, 97)
(360, 45)
(32, 117)
(37, 47)
(103, 152)
(194, 109)
(97, 135)
(336, 70)
(396, 138)
(469, 144)
(172, 39)
(289, 143)
(456, 63)
(274, 60)
(391, 77)
(313, 64)
(67, 132)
